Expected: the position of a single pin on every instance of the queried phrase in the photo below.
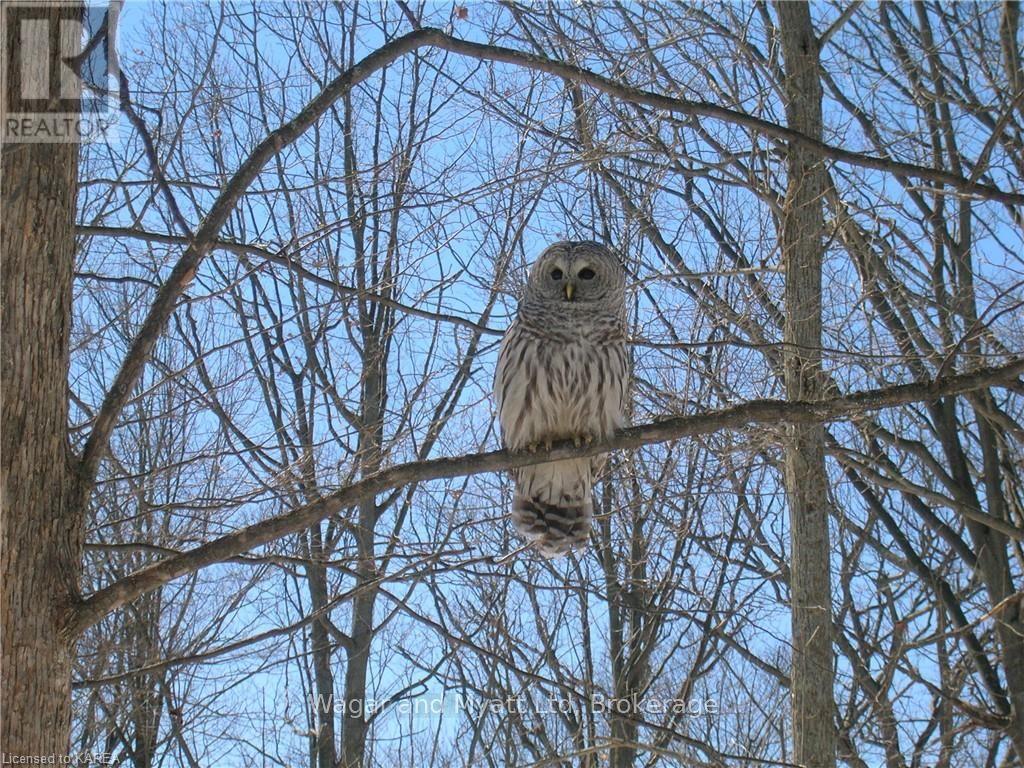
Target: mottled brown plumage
(563, 373)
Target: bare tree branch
(93, 608)
(286, 260)
(185, 269)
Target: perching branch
(99, 604)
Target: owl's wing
(508, 379)
(502, 369)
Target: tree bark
(374, 331)
(41, 524)
(354, 723)
(814, 733)
(316, 574)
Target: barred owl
(563, 373)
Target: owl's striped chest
(568, 368)
(585, 380)
(559, 386)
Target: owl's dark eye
(556, 274)
(587, 273)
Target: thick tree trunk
(354, 725)
(41, 525)
(316, 573)
(814, 735)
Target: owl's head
(577, 274)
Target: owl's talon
(584, 439)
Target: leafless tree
(272, 492)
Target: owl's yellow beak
(570, 289)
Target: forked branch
(206, 236)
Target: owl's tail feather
(553, 530)
(552, 506)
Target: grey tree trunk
(316, 574)
(41, 521)
(374, 330)
(354, 725)
(814, 734)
